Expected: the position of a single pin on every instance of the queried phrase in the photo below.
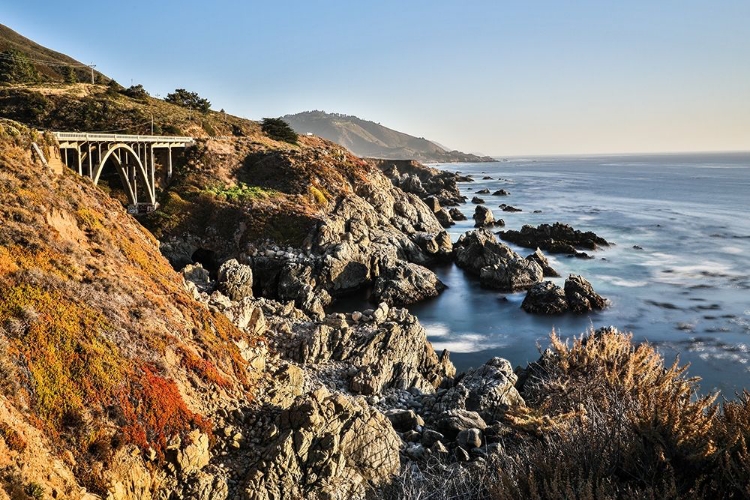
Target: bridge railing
(84, 136)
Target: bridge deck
(93, 137)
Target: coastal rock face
(488, 390)
(402, 283)
(541, 259)
(456, 214)
(557, 238)
(578, 296)
(235, 280)
(477, 200)
(381, 227)
(380, 348)
(497, 266)
(444, 217)
(483, 217)
(425, 182)
(545, 298)
(329, 446)
(581, 296)
(501, 192)
(513, 274)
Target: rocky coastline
(260, 391)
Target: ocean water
(685, 289)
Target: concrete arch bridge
(135, 157)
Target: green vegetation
(279, 130)
(15, 67)
(136, 92)
(241, 192)
(189, 100)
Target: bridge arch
(140, 171)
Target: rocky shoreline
(364, 389)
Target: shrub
(136, 92)
(279, 130)
(608, 419)
(15, 67)
(189, 100)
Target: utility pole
(92, 66)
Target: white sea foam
(436, 329)
(733, 250)
(617, 281)
(470, 342)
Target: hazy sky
(502, 78)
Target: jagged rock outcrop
(541, 259)
(456, 214)
(488, 390)
(235, 280)
(497, 266)
(477, 200)
(501, 192)
(413, 177)
(545, 298)
(578, 296)
(401, 283)
(329, 446)
(581, 296)
(483, 217)
(555, 238)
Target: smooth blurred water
(687, 290)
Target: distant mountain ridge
(369, 139)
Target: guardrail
(83, 136)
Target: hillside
(369, 139)
(51, 66)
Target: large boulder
(545, 298)
(480, 253)
(444, 218)
(456, 214)
(329, 446)
(581, 296)
(235, 280)
(488, 390)
(541, 259)
(402, 283)
(578, 296)
(483, 217)
(511, 275)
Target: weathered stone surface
(235, 280)
(386, 348)
(557, 238)
(439, 184)
(444, 217)
(477, 200)
(329, 446)
(483, 217)
(541, 259)
(452, 422)
(513, 274)
(545, 298)
(402, 283)
(247, 315)
(404, 420)
(578, 296)
(488, 390)
(509, 208)
(483, 191)
(199, 277)
(500, 192)
(581, 296)
(432, 203)
(469, 438)
(497, 266)
(191, 455)
(456, 214)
